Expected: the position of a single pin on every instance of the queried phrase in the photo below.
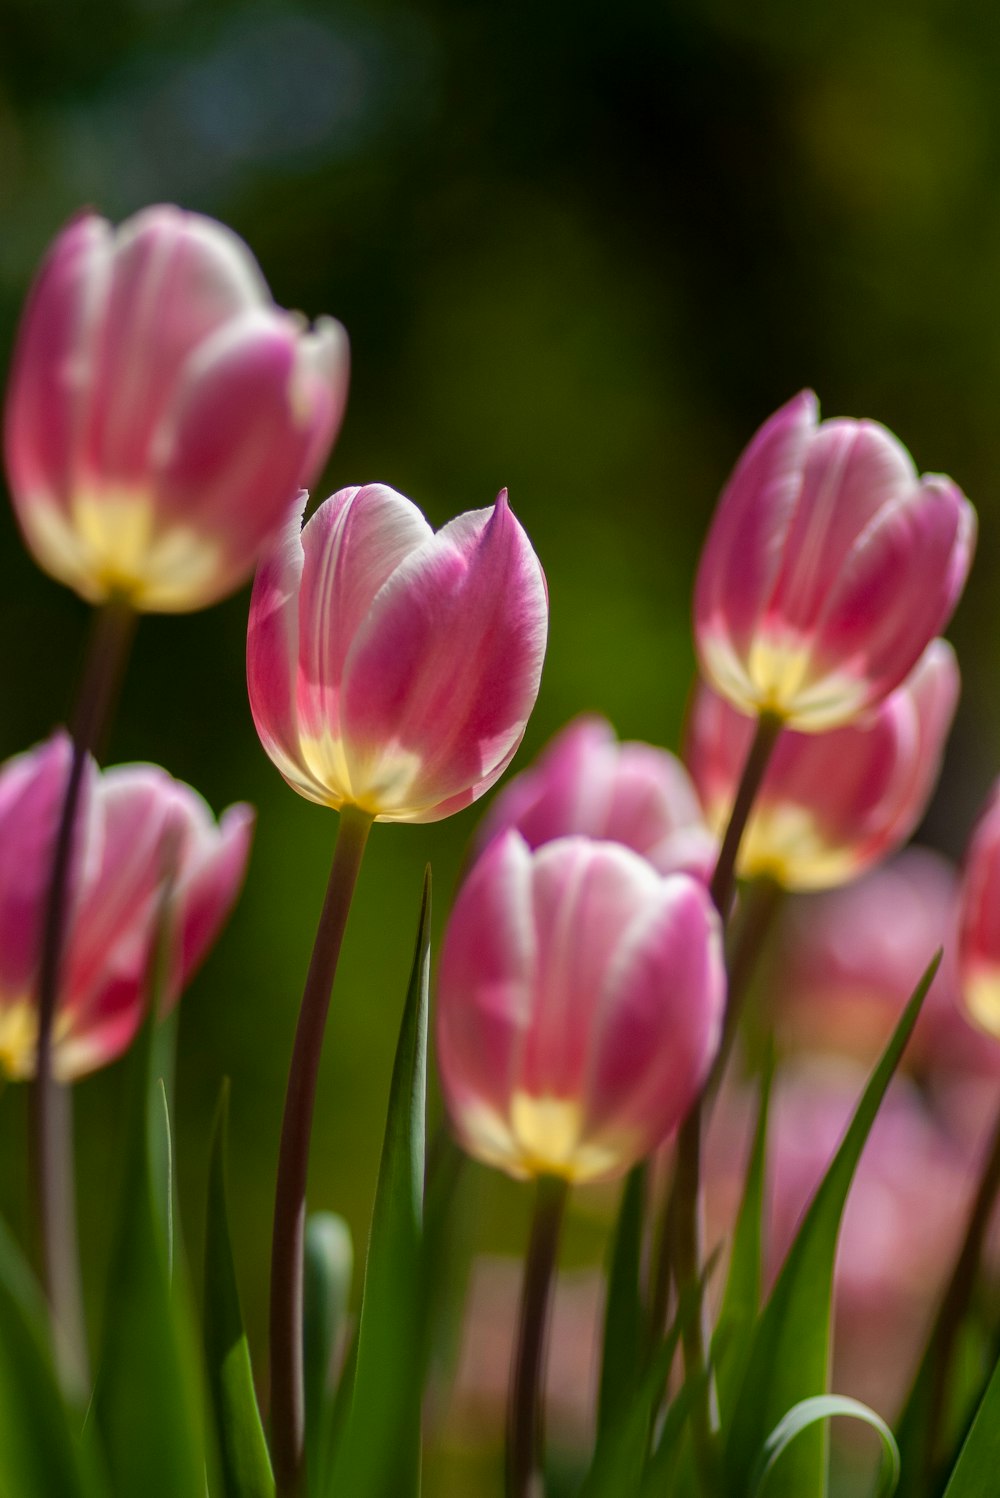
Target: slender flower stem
(287, 1390)
(524, 1405)
(955, 1301)
(684, 1208)
(51, 1109)
(750, 932)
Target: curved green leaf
(379, 1456)
(809, 1412)
(788, 1360)
(40, 1453)
(245, 1467)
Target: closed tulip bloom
(579, 1006)
(831, 805)
(163, 412)
(979, 939)
(138, 829)
(392, 668)
(829, 567)
(587, 782)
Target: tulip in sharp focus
(163, 412)
(831, 805)
(579, 1008)
(138, 827)
(979, 942)
(829, 566)
(392, 668)
(587, 782)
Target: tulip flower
(138, 828)
(829, 567)
(579, 1009)
(587, 782)
(979, 941)
(163, 412)
(830, 805)
(392, 668)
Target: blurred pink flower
(903, 1223)
(831, 804)
(580, 1002)
(138, 828)
(392, 668)
(979, 960)
(587, 782)
(828, 568)
(163, 412)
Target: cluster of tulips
(162, 420)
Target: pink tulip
(831, 805)
(979, 943)
(828, 568)
(163, 412)
(580, 1004)
(903, 1223)
(390, 667)
(138, 828)
(587, 782)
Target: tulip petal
(439, 682)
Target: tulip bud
(138, 828)
(587, 782)
(580, 1004)
(830, 805)
(828, 568)
(979, 939)
(392, 668)
(163, 413)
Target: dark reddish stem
(51, 1110)
(525, 1406)
(287, 1244)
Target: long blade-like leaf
(380, 1453)
(244, 1464)
(975, 1473)
(329, 1268)
(40, 1452)
(789, 1356)
(621, 1360)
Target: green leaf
(329, 1267)
(624, 1320)
(245, 1467)
(741, 1300)
(819, 1409)
(975, 1472)
(788, 1360)
(40, 1450)
(380, 1454)
(148, 1399)
(623, 1444)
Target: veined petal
(439, 682)
(212, 871)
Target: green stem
(525, 1403)
(955, 1301)
(287, 1244)
(51, 1117)
(684, 1208)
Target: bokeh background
(582, 251)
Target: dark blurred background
(582, 251)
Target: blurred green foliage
(581, 251)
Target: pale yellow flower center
(982, 999)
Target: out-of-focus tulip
(163, 412)
(847, 961)
(979, 945)
(829, 566)
(580, 1003)
(832, 804)
(902, 1226)
(586, 782)
(138, 828)
(390, 667)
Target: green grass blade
(810, 1412)
(975, 1473)
(244, 1464)
(624, 1319)
(329, 1268)
(380, 1453)
(788, 1360)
